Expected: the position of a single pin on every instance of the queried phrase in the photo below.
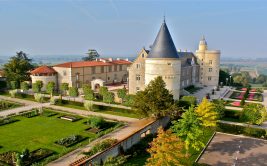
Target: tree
(73, 92)
(24, 86)
(39, 97)
(223, 75)
(92, 55)
(129, 100)
(261, 79)
(108, 97)
(155, 100)
(17, 68)
(50, 88)
(103, 90)
(188, 128)
(265, 84)
(88, 92)
(254, 113)
(165, 150)
(206, 113)
(219, 107)
(88, 105)
(64, 87)
(37, 86)
(122, 94)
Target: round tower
(163, 60)
(209, 61)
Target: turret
(203, 44)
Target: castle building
(95, 73)
(177, 68)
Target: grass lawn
(41, 132)
(101, 109)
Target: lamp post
(226, 81)
(230, 82)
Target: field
(42, 132)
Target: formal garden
(44, 135)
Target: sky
(121, 28)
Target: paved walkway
(218, 94)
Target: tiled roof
(43, 70)
(93, 63)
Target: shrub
(122, 93)
(13, 93)
(88, 92)
(39, 97)
(70, 140)
(50, 87)
(37, 86)
(96, 122)
(108, 97)
(73, 92)
(219, 108)
(24, 86)
(129, 100)
(64, 87)
(254, 113)
(88, 105)
(14, 85)
(100, 146)
(190, 100)
(103, 90)
(53, 100)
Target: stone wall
(125, 144)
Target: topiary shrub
(96, 122)
(88, 105)
(38, 97)
(13, 93)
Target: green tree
(24, 86)
(129, 100)
(50, 88)
(206, 113)
(103, 90)
(73, 92)
(219, 107)
(88, 92)
(92, 55)
(108, 97)
(88, 105)
(17, 68)
(122, 93)
(188, 128)
(37, 86)
(155, 100)
(254, 113)
(223, 75)
(14, 85)
(165, 150)
(64, 87)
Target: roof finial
(164, 19)
(203, 37)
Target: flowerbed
(255, 97)
(70, 140)
(100, 146)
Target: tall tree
(165, 150)
(92, 55)
(188, 128)
(155, 100)
(206, 113)
(18, 67)
(50, 87)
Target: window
(93, 78)
(210, 69)
(110, 68)
(102, 69)
(115, 68)
(137, 89)
(143, 55)
(138, 77)
(209, 78)
(138, 65)
(77, 76)
(64, 73)
(120, 67)
(108, 78)
(93, 70)
(210, 62)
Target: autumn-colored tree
(188, 128)
(206, 113)
(165, 150)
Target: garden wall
(124, 144)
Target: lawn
(42, 132)
(101, 109)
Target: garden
(44, 132)
(239, 95)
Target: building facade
(95, 73)
(179, 69)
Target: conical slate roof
(163, 46)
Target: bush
(88, 92)
(100, 146)
(108, 97)
(37, 86)
(53, 100)
(14, 85)
(96, 122)
(4, 121)
(73, 92)
(24, 86)
(30, 114)
(129, 100)
(122, 94)
(70, 140)
(39, 97)
(254, 113)
(190, 100)
(88, 105)
(219, 108)
(13, 93)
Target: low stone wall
(123, 145)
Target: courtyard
(47, 131)
(228, 150)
